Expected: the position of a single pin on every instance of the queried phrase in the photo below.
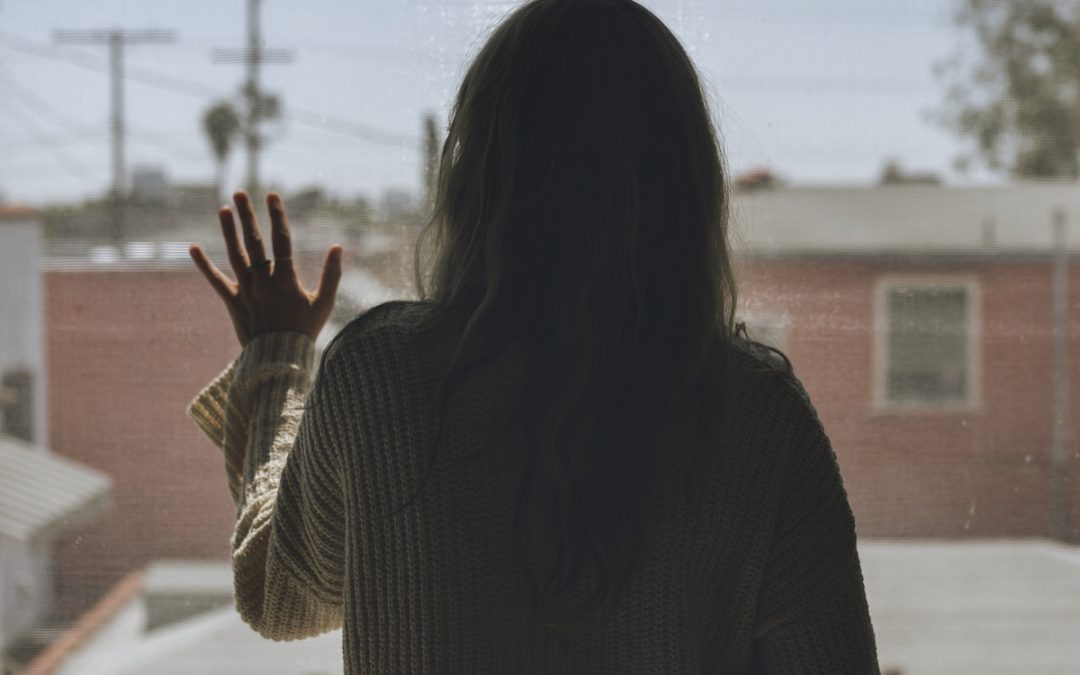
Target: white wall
(124, 631)
(24, 587)
(22, 309)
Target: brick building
(129, 342)
(920, 319)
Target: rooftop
(1011, 218)
(894, 218)
(16, 212)
(990, 607)
(41, 492)
(972, 607)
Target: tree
(222, 125)
(1020, 101)
(894, 174)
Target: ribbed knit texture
(766, 580)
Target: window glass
(17, 403)
(928, 345)
(905, 220)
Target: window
(927, 333)
(910, 281)
(16, 402)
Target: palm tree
(222, 125)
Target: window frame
(966, 282)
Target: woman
(564, 457)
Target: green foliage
(1020, 100)
(221, 124)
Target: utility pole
(431, 156)
(257, 103)
(1059, 456)
(116, 39)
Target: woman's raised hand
(267, 295)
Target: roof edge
(17, 212)
(86, 626)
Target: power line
(347, 127)
(58, 118)
(816, 85)
(55, 140)
(310, 118)
(70, 126)
(89, 61)
(163, 140)
(29, 126)
(116, 40)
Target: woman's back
(768, 565)
(564, 458)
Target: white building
(41, 493)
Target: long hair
(581, 208)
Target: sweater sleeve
(208, 411)
(813, 615)
(285, 478)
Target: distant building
(893, 174)
(927, 346)
(22, 344)
(133, 333)
(957, 607)
(149, 184)
(196, 198)
(178, 618)
(41, 494)
(757, 179)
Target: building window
(927, 344)
(16, 404)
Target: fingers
(280, 236)
(252, 237)
(237, 256)
(221, 283)
(328, 282)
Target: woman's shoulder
(762, 384)
(749, 357)
(384, 333)
(392, 314)
(392, 319)
(755, 365)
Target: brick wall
(126, 351)
(978, 473)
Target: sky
(820, 93)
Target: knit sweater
(766, 579)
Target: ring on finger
(259, 264)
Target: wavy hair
(581, 208)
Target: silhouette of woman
(566, 456)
